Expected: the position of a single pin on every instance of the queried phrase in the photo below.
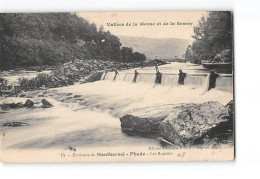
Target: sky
(168, 24)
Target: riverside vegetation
(64, 42)
(69, 73)
(78, 52)
(212, 38)
(40, 39)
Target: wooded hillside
(53, 38)
(213, 36)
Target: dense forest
(54, 38)
(212, 38)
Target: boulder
(77, 96)
(221, 134)
(7, 106)
(22, 95)
(94, 77)
(81, 81)
(192, 122)
(230, 108)
(46, 104)
(226, 53)
(15, 124)
(225, 59)
(145, 119)
(224, 56)
(217, 58)
(28, 103)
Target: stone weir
(219, 81)
(183, 125)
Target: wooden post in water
(212, 79)
(181, 77)
(115, 75)
(136, 73)
(158, 79)
(104, 75)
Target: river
(13, 76)
(91, 117)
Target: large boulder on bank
(145, 119)
(230, 108)
(192, 122)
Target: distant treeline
(213, 35)
(52, 38)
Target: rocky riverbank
(181, 116)
(77, 71)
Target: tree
(126, 53)
(135, 57)
(53, 38)
(212, 35)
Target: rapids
(90, 118)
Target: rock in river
(145, 119)
(28, 103)
(93, 77)
(191, 122)
(7, 106)
(15, 124)
(46, 104)
(230, 107)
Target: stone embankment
(77, 71)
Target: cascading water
(103, 76)
(206, 84)
(169, 80)
(120, 77)
(224, 83)
(108, 76)
(194, 81)
(129, 77)
(146, 78)
(95, 109)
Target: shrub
(42, 80)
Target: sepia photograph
(147, 86)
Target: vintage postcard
(116, 86)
